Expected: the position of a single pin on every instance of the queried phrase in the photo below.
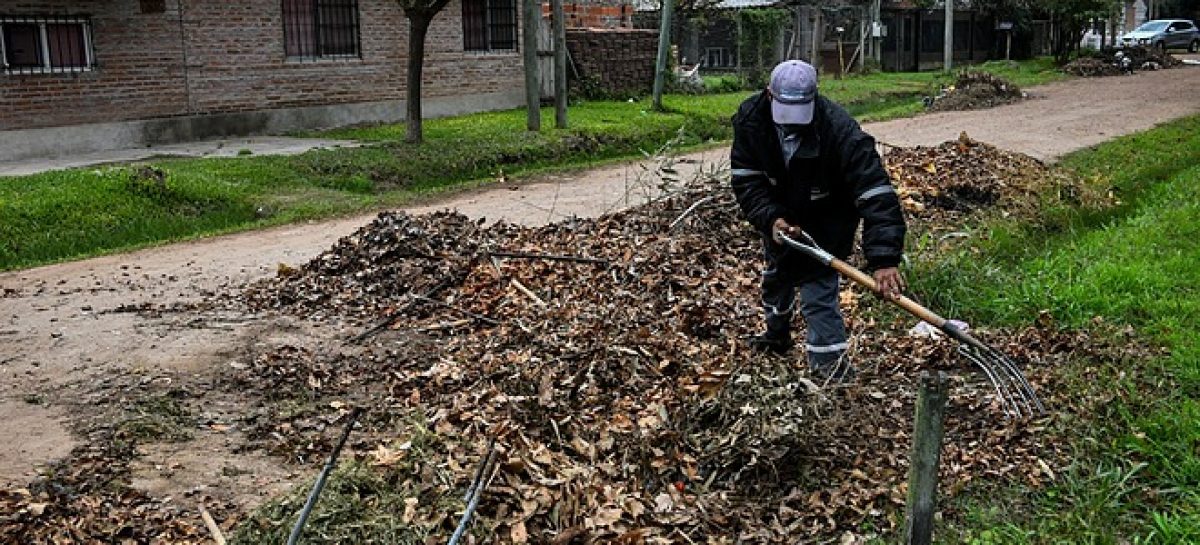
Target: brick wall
(617, 60)
(140, 69)
(596, 14)
(235, 62)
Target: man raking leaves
(801, 163)
(805, 175)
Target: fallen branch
(550, 257)
(391, 318)
(691, 209)
(463, 311)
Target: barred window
(43, 45)
(489, 25)
(320, 29)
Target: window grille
(489, 25)
(46, 45)
(320, 29)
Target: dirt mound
(974, 90)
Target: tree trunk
(418, 27)
(530, 17)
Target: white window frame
(44, 37)
(723, 53)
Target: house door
(546, 57)
(901, 42)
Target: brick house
(88, 75)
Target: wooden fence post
(926, 453)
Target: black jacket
(836, 179)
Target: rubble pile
(974, 90)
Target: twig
(391, 318)
(474, 494)
(691, 209)
(550, 257)
(211, 524)
(517, 284)
(320, 484)
(466, 312)
(443, 325)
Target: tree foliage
(760, 29)
(1071, 18)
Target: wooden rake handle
(809, 247)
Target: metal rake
(1016, 395)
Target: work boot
(766, 343)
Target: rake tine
(1006, 401)
(1016, 379)
(1012, 386)
(1026, 388)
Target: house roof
(653, 5)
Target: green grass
(1136, 478)
(84, 212)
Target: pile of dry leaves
(603, 365)
(1114, 62)
(607, 358)
(87, 499)
(974, 90)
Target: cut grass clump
(393, 496)
(160, 417)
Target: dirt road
(64, 351)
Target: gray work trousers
(825, 340)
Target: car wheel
(1195, 45)
(1160, 47)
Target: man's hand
(890, 282)
(782, 226)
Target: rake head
(1016, 395)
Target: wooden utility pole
(664, 49)
(876, 33)
(559, 26)
(948, 47)
(531, 15)
(926, 455)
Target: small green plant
(160, 417)
(149, 182)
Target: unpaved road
(63, 352)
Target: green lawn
(78, 213)
(1137, 475)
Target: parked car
(1164, 34)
